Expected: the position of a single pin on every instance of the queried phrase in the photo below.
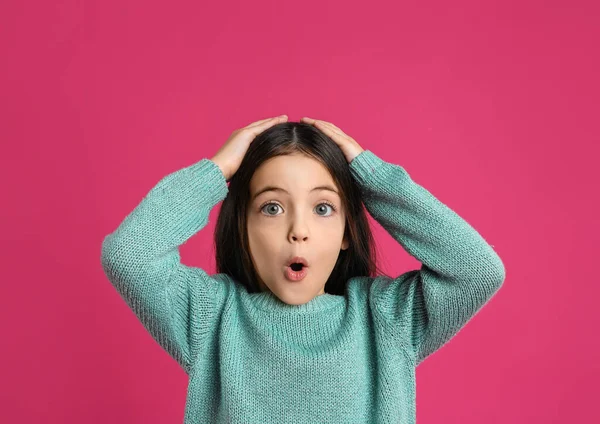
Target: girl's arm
(174, 302)
(460, 271)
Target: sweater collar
(268, 302)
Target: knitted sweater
(252, 358)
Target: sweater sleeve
(174, 302)
(460, 271)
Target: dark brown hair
(231, 235)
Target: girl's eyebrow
(274, 188)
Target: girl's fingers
(322, 123)
(349, 146)
(268, 121)
(259, 128)
(329, 129)
(336, 129)
(256, 123)
(332, 126)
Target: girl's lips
(297, 259)
(295, 276)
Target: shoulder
(225, 287)
(369, 286)
(360, 288)
(383, 292)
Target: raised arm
(174, 302)
(460, 271)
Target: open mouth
(296, 272)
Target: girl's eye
(272, 207)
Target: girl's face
(294, 220)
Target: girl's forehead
(292, 173)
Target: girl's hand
(349, 146)
(230, 155)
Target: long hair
(231, 235)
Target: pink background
(491, 106)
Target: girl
(267, 340)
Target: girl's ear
(345, 244)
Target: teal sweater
(252, 358)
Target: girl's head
(258, 231)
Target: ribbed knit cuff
(210, 180)
(367, 168)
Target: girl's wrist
(221, 167)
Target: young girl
(266, 340)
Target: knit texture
(252, 358)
